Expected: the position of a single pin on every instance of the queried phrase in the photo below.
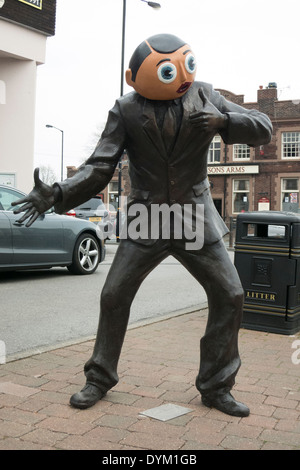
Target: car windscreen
(91, 205)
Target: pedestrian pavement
(158, 366)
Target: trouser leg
(219, 356)
(131, 265)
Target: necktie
(169, 129)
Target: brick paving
(158, 365)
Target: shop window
(241, 152)
(214, 153)
(290, 145)
(113, 195)
(240, 195)
(290, 194)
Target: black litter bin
(267, 258)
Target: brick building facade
(263, 178)
(38, 15)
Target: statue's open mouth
(184, 87)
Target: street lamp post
(154, 5)
(62, 149)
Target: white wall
(17, 120)
(21, 42)
(21, 50)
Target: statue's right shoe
(87, 397)
(227, 404)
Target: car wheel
(86, 255)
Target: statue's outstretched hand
(210, 118)
(38, 201)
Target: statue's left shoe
(87, 397)
(227, 404)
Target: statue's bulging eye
(167, 72)
(190, 63)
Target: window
(266, 230)
(290, 194)
(240, 195)
(92, 205)
(290, 145)
(214, 153)
(7, 197)
(241, 152)
(113, 194)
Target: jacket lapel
(151, 129)
(191, 103)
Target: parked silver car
(53, 240)
(95, 211)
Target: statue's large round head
(163, 67)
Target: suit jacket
(156, 177)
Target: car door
(6, 249)
(40, 244)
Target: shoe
(87, 397)
(227, 404)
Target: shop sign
(8, 179)
(264, 204)
(233, 170)
(33, 3)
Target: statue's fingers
(23, 208)
(198, 121)
(20, 201)
(196, 115)
(27, 214)
(203, 96)
(36, 176)
(33, 218)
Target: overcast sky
(239, 45)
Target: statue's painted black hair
(163, 43)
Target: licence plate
(95, 219)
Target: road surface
(43, 309)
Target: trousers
(213, 269)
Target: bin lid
(266, 228)
(269, 217)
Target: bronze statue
(168, 170)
